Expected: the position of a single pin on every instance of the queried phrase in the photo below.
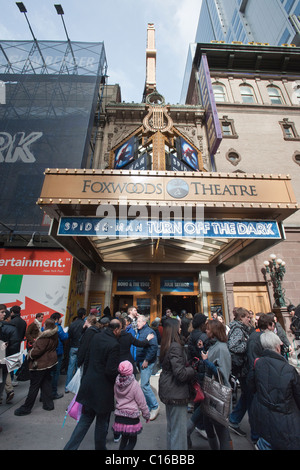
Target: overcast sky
(122, 25)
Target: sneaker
(10, 396)
(154, 414)
(235, 428)
(57, 396)
(201, 433)
(117, 438)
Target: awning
(168, 218)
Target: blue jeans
(146, 387)
(72, 367)
(84, 424)
(176, 427)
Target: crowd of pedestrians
(117, 356)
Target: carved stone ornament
(157, 118)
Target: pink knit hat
(125, 368)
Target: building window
(228, 128)
(247, 94)
(275, 95)
(233, 157)
(220, 93)
(289, 130)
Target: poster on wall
(124, 154)
(36, 280)
(189, 154)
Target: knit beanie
(125, 368)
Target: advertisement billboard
(36, 280)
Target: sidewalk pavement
(44, 430)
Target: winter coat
(219, 355)
(275, 409)
(254, 347)
(173, 386)
(295, 324)
(62, 336)
(84, 345)
(75, 332)
(126, 340)
(149, 353)
(43, 354)
(237, 344)
(21, 326)
(130, 398)
(9, 334)
(97, 384)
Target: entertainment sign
(146, 228)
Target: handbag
(217, 402)
(23, 373)
(74, 410)
(199, 395)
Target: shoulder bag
(217, 402)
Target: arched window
(275, 95)
(247, 94)
(220, 93)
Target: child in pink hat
(130, 400)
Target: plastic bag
(74, 384)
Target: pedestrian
(173, 386)
(217, 357)
(62, 336)
(295, 329)
(186, 320)
(96, 392)
(33, 330)
(145, 359)
(75, 332)
(19, 323)
(198, 341)
(41, 360)
(9, 389)
(286, 347)
(9, 336)
(90, 328)
(130, 401)
(238, 337)
(127, 341)
(133, 314)
(275, 409)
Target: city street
(44, 430)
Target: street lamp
(276, 269)
(23, 9)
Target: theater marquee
(110, 217)
(91, 186)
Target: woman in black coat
(174, 385)
(275, 409)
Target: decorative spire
(150, 84)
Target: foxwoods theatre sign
(146, 228)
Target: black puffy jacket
(9, 334)
(275, 410)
